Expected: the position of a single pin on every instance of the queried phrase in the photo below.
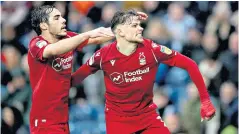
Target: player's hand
(207, 110)
(101, 32)
(142, 16)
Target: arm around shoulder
(64, 45)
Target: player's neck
(49, 37)
(126, 48)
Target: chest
(141, 58)
(127, 69)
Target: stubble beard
(59, 36)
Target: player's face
(132, 30)
(57, 24)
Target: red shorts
(44, 128)
(148, 123)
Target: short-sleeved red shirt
(50, 82)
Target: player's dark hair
(39, 15)
(121, 17)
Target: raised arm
(72, 43)
(109, 35)
(105, 35)
(64, 45)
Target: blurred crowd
(205, 31)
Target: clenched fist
(207, 110)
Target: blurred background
(205, 31)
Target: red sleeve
(36, 48)
(90, 67)
(162, 53)
(173, 58)
(72, 34)
(188, 64)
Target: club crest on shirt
(142, 59)
(165, 50)
(41, 43)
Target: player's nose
(63, 20)
(141, 29)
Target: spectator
(178, 22)
(191, 109)
(193, 47)
(216, 77)
(229, 58)
(165, 106)
(229, 105)
(219, 23)
(12, 121)
(9, 38)
(172, 121)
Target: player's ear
(119, 32)
(43, 26)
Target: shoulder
(149, 43)
(37, 41)
(106, 51)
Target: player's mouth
(64, 27)
(139, 35)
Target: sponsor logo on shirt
(133, 76)
(60, 64)
(117, 78)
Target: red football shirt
(129, 79)
(50, 82)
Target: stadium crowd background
(207, 32)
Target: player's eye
(56, 17)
